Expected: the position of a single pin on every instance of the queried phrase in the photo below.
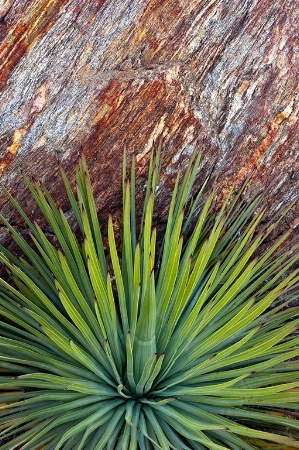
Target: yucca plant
(186, 346)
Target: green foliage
(185, 347)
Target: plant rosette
(193, 346)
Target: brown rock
(96, 76)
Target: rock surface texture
(98, 75)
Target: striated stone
(97, 76)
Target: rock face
(96, 76)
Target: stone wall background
(217, 76)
